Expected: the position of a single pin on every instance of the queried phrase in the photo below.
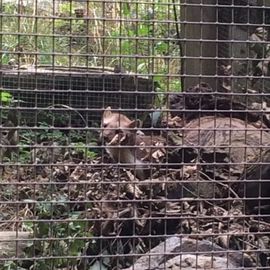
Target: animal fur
(125, 143)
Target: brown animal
(126, 144)
(113, 122)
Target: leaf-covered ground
(80, 204)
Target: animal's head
(114, 123)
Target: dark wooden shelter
(218, 34)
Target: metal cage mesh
(134, 134)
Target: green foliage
(66, 9)
(6, 100)
(66, 232)
(11, 265)
(81, 143)
(144, 47)
(81, 148)
(5, 97)
(87, 40)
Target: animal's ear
(135, 124)
(107, 113)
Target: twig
(67, 107)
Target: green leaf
(161, 47)
(176, 86)
(143, 30)
(126, 9)
(5, 97)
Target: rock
(12, 243)
(186, 253)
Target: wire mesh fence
(134, 134)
